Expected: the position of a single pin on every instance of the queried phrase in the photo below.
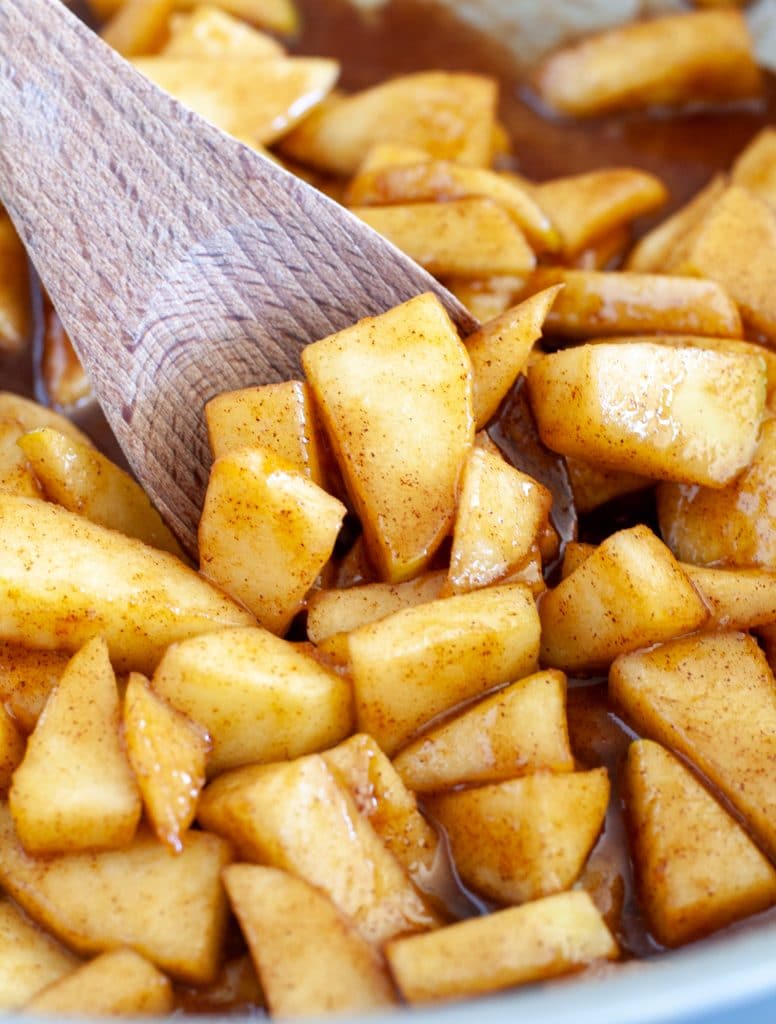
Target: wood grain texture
(181, 262)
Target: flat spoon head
(182, 263)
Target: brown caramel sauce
(684, 149)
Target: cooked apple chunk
(270, 812)
(697, 869)
(170, 909)
(266, 532)
(394, 393)
(755, 166)
(712, 698)
(273, 15)
(12, 747)
(736, 598)
(139, 26)
(31, 415)
(499, 351)
(593, 486)
(81, 479)
(629, 593)
(311, 959)
(119, 983)
(684, 414)
(15, 313)
(500, 513)
(417, 663)
(140, 599)
(211, 32)
(29, 958)
(75, 790)
(260, 698)
(543, 939)
(16, 473)
(276, 417)
(525, 838)
(520, 729)
(168, 753)
(449, 116)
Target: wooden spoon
(181, 262)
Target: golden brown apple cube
(140, 26)
(598, 302)
(27, 678)
(259, 698)
(15, 315)
(331, 612)
(450, 116)
(168, 753)
(587, 207)
(685, 414)
(540, 940)
(466, 237)
(629, 593)
(257, 100)
(210, 32)
(81, 479)
(74, 789)
(276, 417)
(274, 15)
(270, 813)
(574, 554)
(525, 838)
(499, 351)
(413, 665)
(29, 958)
(519, 730)
(266, 533)
(735, 526)
(170, 909)
(712, 699)
(735, 245)
(736, 598)
(394, 392)
(703, 56)
(390, 808)
(593, 486)
(697, 869)
(487, 298)
(310, 957)
(119, 983)
(500, 513)
(31, 415)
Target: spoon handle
(181, 262)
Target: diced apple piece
(703, 56)
(168, 753)
(64, 378)
(487, 298)
(266, 532)
(26, 679)
(119, 983)
(276, 417)
(520, 729)
(736, 598)
(256, 99)
(735, 526)
(684, 414)
(389, 807)
(274, 15)
(735, 245)
(310, 957)
(440, 181)
(380, 386)
(594, 486)
(81, 479)
(499, 351)
(31, 415)
(599, 302)
(711, 698)
(15, 316)
(467, 237)
(629, 593)
(140, 26)
(696, 867)
(170, 909)
(75, 790)
(29, 959)
(417, 663)
(522, 839)
(755, 166)
(259, 698)
(64, 580)
(448, 115)
(270, 813)
(330, 612)
(574, 554)
(543, 939)
(210, 32)
(500, 514)
(587, 207)
(16, 475)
